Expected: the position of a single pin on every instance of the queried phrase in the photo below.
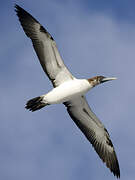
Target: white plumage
(67, 91)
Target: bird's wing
(94, 131)
(45, 48)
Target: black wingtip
(17, 8)
(22, 13)
(114, 168)
(117, 172)
(25, 17)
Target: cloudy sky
(94, 37)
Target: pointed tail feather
(35, 104)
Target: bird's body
(68, 90)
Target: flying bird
(68, 90)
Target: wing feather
(94, 131)
(45, 48)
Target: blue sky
(94, 38)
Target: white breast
(67, 91)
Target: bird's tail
(35, 104)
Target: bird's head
(99, 79)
